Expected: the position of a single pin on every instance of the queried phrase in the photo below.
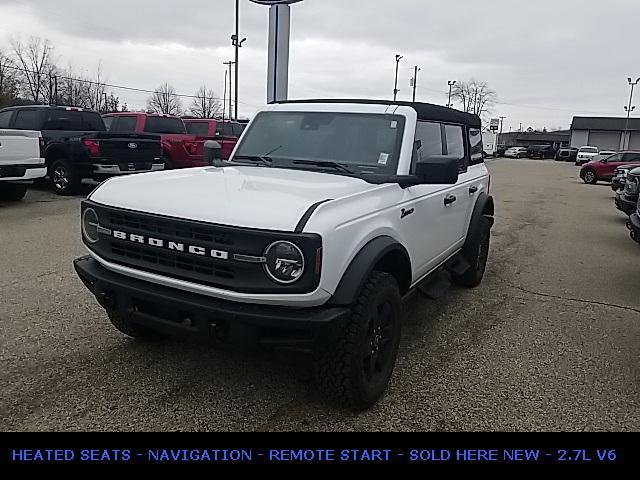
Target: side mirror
(213, 153)
(438, 170)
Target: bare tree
(35, 59)
(206, 104)
(475, 96)
(8, 80)
(164, 100)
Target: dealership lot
(549, 341)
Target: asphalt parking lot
(549, 341)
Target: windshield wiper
(266, 161)
(325, 164)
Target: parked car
(78, 146)
(179, 149)
(567, 155)
(275, 249)
(604, 169)
(626, 200)
(620, 176)
(516, 152)
(633, 224)
(21, 162)
(586, 154)
(541, 151)
(226, 133)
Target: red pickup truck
(179, 149)
(226, 133)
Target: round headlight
(284, 262)
(90, 225)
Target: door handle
(449, 199)
(473, 190)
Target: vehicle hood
(252, 197)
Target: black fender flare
(484, 208)
(363, 265)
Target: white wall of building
(579, 138)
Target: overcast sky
(546, 59)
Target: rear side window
(197, 128)
(5, 118)
(475, 142)
(26, 120)
(455, 145)
(126, 124)
(225, 129)
(164, 125)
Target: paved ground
(550, 341)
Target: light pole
(395, 88)
(629, 109)
(415, 81)
(237, 43)
(229, 64)
(501, 123)
(451, 83)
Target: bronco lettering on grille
(175, 246)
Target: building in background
(606, 133)
(556, 139)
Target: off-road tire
(12, 192)
(476, 253)
(590, 177)
(132, 330)
(64, 177)
(341, 357)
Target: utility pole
(629, 109)
(229, 64)
(106, 103)
(395, 88)
(415, 81)
(237, 43)
(501, 123)
(451, 83)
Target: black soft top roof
(426, 111)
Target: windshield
(365, 143)
(588, 150)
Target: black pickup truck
(77, 145)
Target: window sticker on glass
(383, 159)
(394, 124)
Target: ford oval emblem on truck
(132, 146)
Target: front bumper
(198, 317)
(625, 204)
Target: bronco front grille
(222, 271)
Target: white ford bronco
(327, 214)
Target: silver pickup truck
(21, 162)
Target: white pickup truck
(20, 162)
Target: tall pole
(395, 88)
(629, 109)
(451, 83)
(229, 64)
(501, 123)
(415, 81)
(237, 44)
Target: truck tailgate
(19, 149)
(120, 148)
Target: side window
(5, 118)
(127, 124)
(455, 144)
(428, 142)
(614, 158)
(475, 142)
(631, 157)
(26, 120)
(226, 129)
(59, 119)
(238, 128)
